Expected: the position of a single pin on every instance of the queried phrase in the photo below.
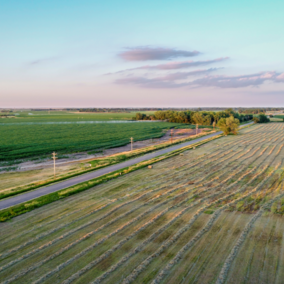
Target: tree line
(193, 117)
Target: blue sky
(151, 53)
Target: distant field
(42, 116)
(276, 119)
(279, 116)
(212, 215)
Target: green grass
(27, 141)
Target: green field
(35, 134)
(210, 215)
(24, 141)
(44, 116)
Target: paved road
(85, 177)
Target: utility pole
(172, 131)
(131, 140)
(54, 158)
(196, 128)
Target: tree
(229, 125)
(263, 118)
(256, 119)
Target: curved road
(5, 203)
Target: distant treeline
(242, 110)
(208, 109)
(253, 110)
(193, 117)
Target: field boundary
(11, 212)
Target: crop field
(57, 116)
(24, 141)
(39, 134)
(211, 215)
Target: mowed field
(211, 215)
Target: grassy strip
(16, 210)
(96, 164)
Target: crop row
(80, 227)
(106, 254)
(136, 250)
(205, 229)
(173, 239)
(226, 266)
(20, 258)
(103, 239)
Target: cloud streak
(239, 81)
(219, 81)
(173, 65)
(167, 81)
(154, 53)
(43, 61)
(182, 64)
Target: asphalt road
(5, 203)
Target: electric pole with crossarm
(54, 158)
(131, 140)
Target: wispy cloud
(173, 65)
(154, 53)
(181, 64)
(149, 83)
(239, 81)
(170, 80)
(167, 81)
(43, 61)
(185, 75)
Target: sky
(141, 53)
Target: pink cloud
(219, 81)
(174, 65)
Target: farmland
(38, 135)
(211, 215)
(23, 141)
(58, 116)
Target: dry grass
(175, 223)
